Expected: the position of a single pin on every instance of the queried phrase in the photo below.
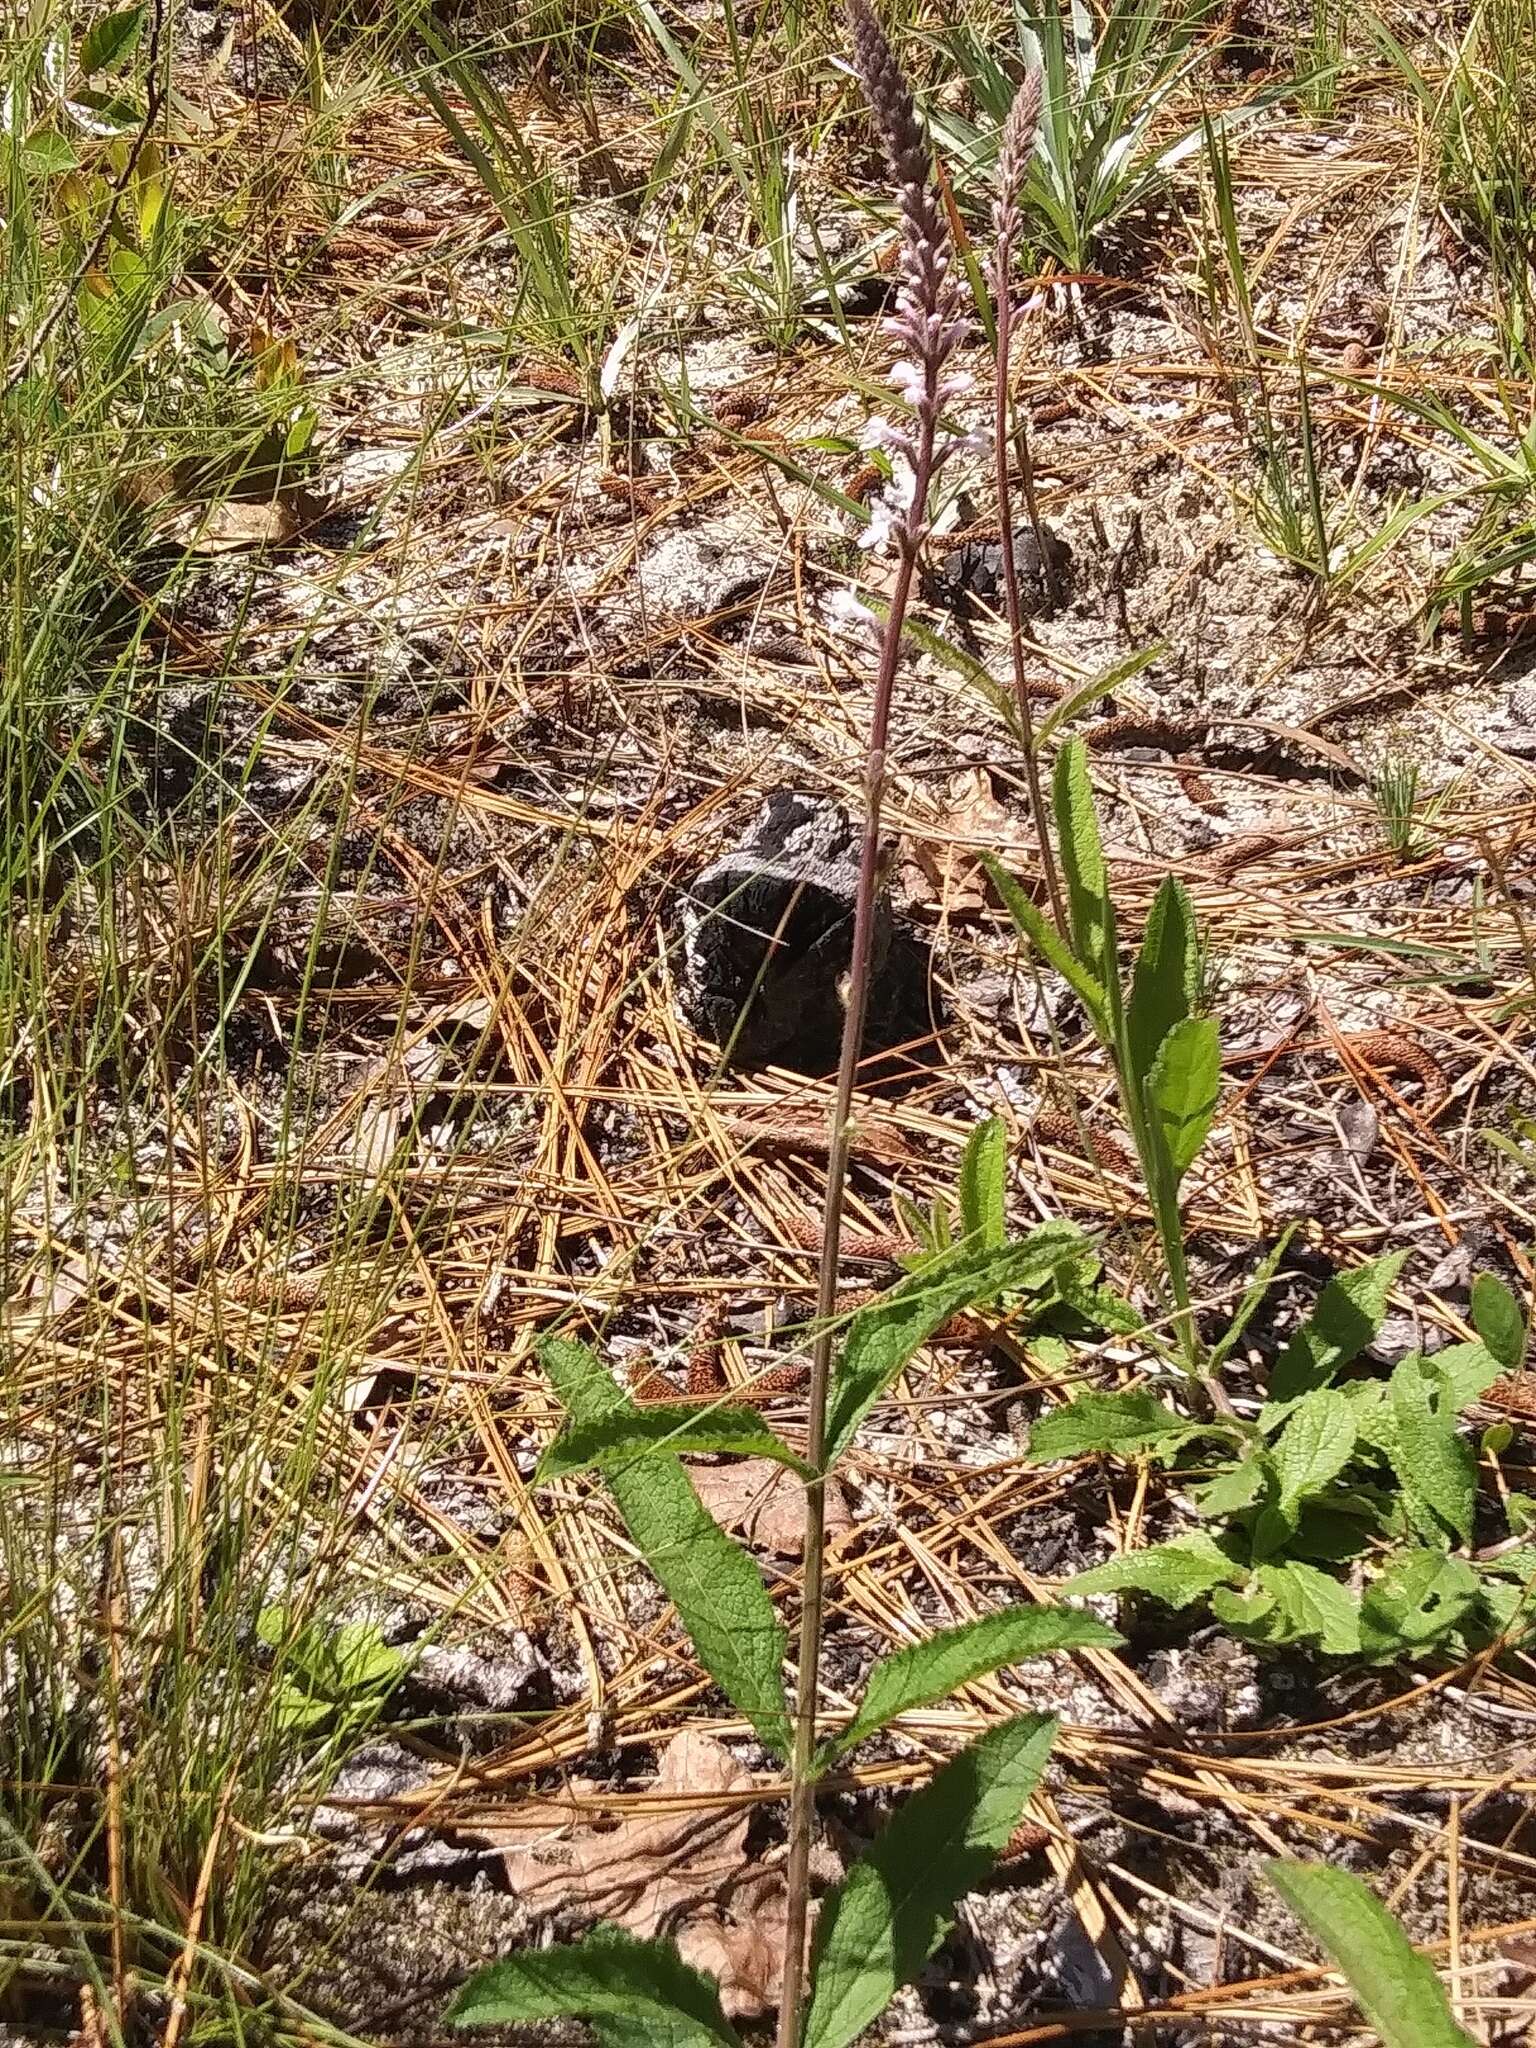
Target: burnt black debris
(974, 569)
(768, 932)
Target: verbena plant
(882, 1922)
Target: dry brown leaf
(684, 1874)
(766, 1504)
(235, 523)
(945, 872)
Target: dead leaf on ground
(944, 872)
(232, 523)
(684, 1874)
(766, 1504)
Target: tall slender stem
(1014, 608)
(802, 1796)
(928, 324)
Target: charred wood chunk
(768, 935)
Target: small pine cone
(553, 378)
(647, 1381)
(1515, 1394)
(629, 490)
(1027, 1838)
(283, 1292)
(1193, 783)
(706, 1375)
(1250, 847)
(1133, 730)
(869, 477)
(1392, 1052)
(1057, 1127)
(783, 1379)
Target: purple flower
(930, 320)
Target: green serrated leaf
(714, 1585)
(1183, 1087)
(1420, 1599)
(608, 1975)
(684, 1429)
(932, 1669)
(1433, 1461)
(1045, 939)
(894, 1907)
(1121, 1423)
(1166, 975)
(110, 40)
(1316, 1607)
(983, 1185)
(1176, 1573)
(1314, 1446)
(1347, 1316)
(1471, 1370)
(883, 1337)
(1398, 1990)
(1092, 914)
(1497, 1319)
(1236, 1488)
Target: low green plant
(330, 1676)
(1395, 793)
(1342, 1515)
(1110, 83)
(1478, 107)
(556, 300)
(1166, 1055)
(881, 1924)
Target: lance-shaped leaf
(1175, 1573)
(1092, 913)
(1045, 939)
(983, 1185)
(1182, 1089)
(932, 1669)
(1398, 1990)
(714, 1585)
(609, 1975)
(684, 1429)
(1121, 1423)
(883, 1337)
(1347, 1316)
(1434, 1462)
(1166, 975)
(897, 1903)
(1498, 1321)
